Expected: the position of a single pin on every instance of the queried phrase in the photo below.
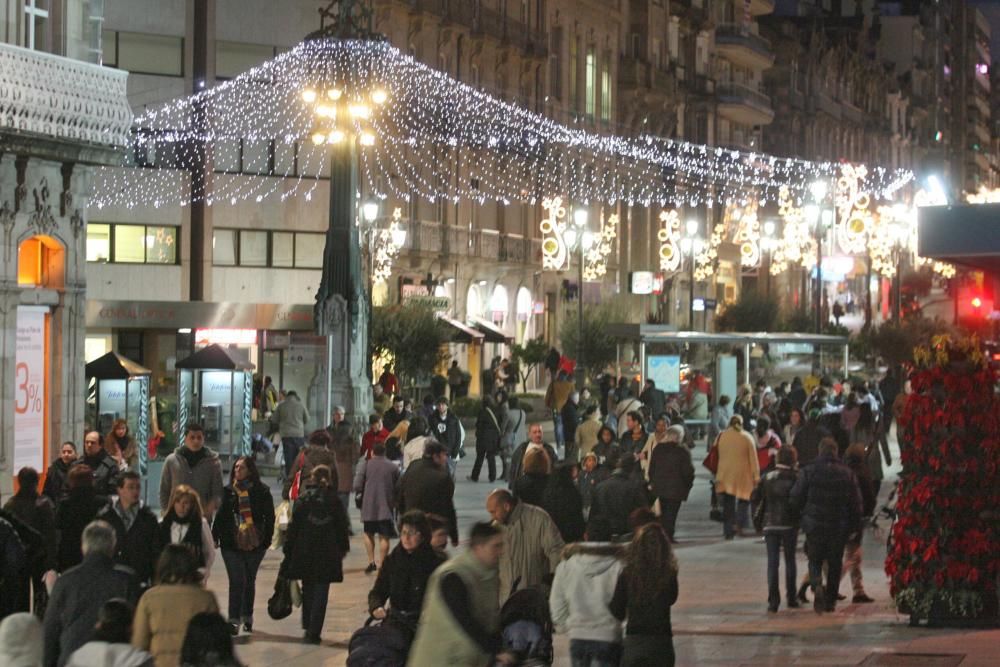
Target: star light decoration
(670, 239)
(262, 141)
(387, 244)
(596, 260)
(796, 246)
(553, 228)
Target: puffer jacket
(582, 590)
(776, 488)
(827, 497)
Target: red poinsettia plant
(945, 552)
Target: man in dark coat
(614, 500)
(654, 398)
(671, 475)
(808, 437)
(80, 593)
(517, 458)
(137, 539)
(427, 486)
(56, 477)
(570, 420)
(14, 573)
(446, 429)
(105, 468)
(395, 414)
(487, 439)
(828, 500)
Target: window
(109, 48)
(234, 58)
(282, 249)
(574, 72)
(253, 248)
(224, 247)
(591, 81)
(606, 89)
(142, 53)
(263, 248)
(131, 244)
(36, 22)
(309, 250)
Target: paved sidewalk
(720, 618)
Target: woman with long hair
(646, 589)
(184, 523)
(121, 446)
(796, 420)
(165, 610)
(74, 512)
(207, 643)
(315, 545)
(37, 512)
(396, 440)
(243, 527)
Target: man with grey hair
(81, 591)
(346, 448)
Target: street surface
(720, 617)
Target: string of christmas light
(387, 244)
(259, 135)
(596, 260)
(670, 236)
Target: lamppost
(821, 219)
(897, 232)
(691, 245)
(767, 243)
(579, 240)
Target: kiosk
(216, 390)
(121, 391)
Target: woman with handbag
(487, 439)
(243, 528)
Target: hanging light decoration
(669, 237)
(747, 234)
(553, 227)
(596, 259)
(387, 244)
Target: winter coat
(767, 451)
(827, 498)
(105, 654)
(316, 540)
(105, 470)
(570, 415)
(530, 488)
(40, 514)
(426, 487)
(655, 399)
(738, 471)
(205, 477)
(197, 536)
(582, 589)
(558, 393)
(718, 422)
(15, 566)
(290, 418)
(55, 481)
(345, 449)
(775, 491)
(860, 469)
(227, 519)
(630, 443)
(651, 619)
(488, 431)
(376, 478)
(75, 511)
(532, 548)
(140, 546)
(562, 500)
(671, 473)
(76, 599)
(441, 639)
(20, 640)
(517, 461)
(625, 406)
(614, 500)
(807, 441)
(515, 429)
(402, 579)
(162, 617)
(414, 449)
(448, 431)
(310, 457)
(698, 407)
(586, 434)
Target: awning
(968, 235)
(113, 366)
(461, 333)
(213, 357)
(492, 334)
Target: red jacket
(369, 439)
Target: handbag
(280, 604)
(711, 461)
(293, 492)
(247, 537)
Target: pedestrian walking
(388, 381)
(447, 430)
(290, 419)
(164, 611)
(208, 642)
(530, 486)
(488, 434)
(586, 432)
(242, 529)
(856, 459)
(137, 535)
(828, 500)
(184, 522)
(671, 476)
(416, 440)
(534, 442)
(316, 543)
(197, 466)
(582, 591)
(21, 641)
(395, 441)
(317, 452)
(645, 591)
(615, 499)
(556, 395)
(395, 414)
(718, 420)
(111, 644)
(515, 431)
(781, 528)
(737, 476)
(121, 446)
(455, 380)
(562, 500)
(633, 438)
(375, 481)
(38, 513)
(376, 433)
(103, 468)
(532, 545)
(74, 513)
(570, 414)
(427, 486)
(58, 473)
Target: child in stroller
(527, 627)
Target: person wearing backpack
(488, 435)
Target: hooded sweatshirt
(20, 641)
(104, 654)
(582, 589)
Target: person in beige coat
(737, 475)
(586, 432)
(162, 617)
(532, 545)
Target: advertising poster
(29, 389)
(665, 371)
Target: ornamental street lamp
(579, 240)
(691, 246)
(821, 220)
(767, 244)
(897, 233)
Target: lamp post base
(347, 381)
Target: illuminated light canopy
(387, 243)
(428, 124)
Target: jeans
(778, 541)
(733, 510)
(314, 598)
(852, 564)
(291, 446)
(558, 426)
(491, 463)
(241, 569)
(827, 549)
(452, 464)
(668, 515)
(590, 653)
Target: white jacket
(582, 589)
(414, 450)
(103, 654)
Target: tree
(528, 356)
(753, 312)
(895, 341)
(599, 347)
(413, 335)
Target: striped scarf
(243, 497)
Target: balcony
(735, 43)
(486, 244)
(515, 249)
(645, 79)
(64, 99)
(423, 236)
(483, 21)
(743, 104)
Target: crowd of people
(580, 539)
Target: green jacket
(440, 639)
(532, 548)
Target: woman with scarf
(184, 523)
(242, 529)
(121, 446)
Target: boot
(801, 597)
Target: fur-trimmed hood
(600, 552)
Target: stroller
(384, 644)
(527, 627)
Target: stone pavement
(720, 617)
